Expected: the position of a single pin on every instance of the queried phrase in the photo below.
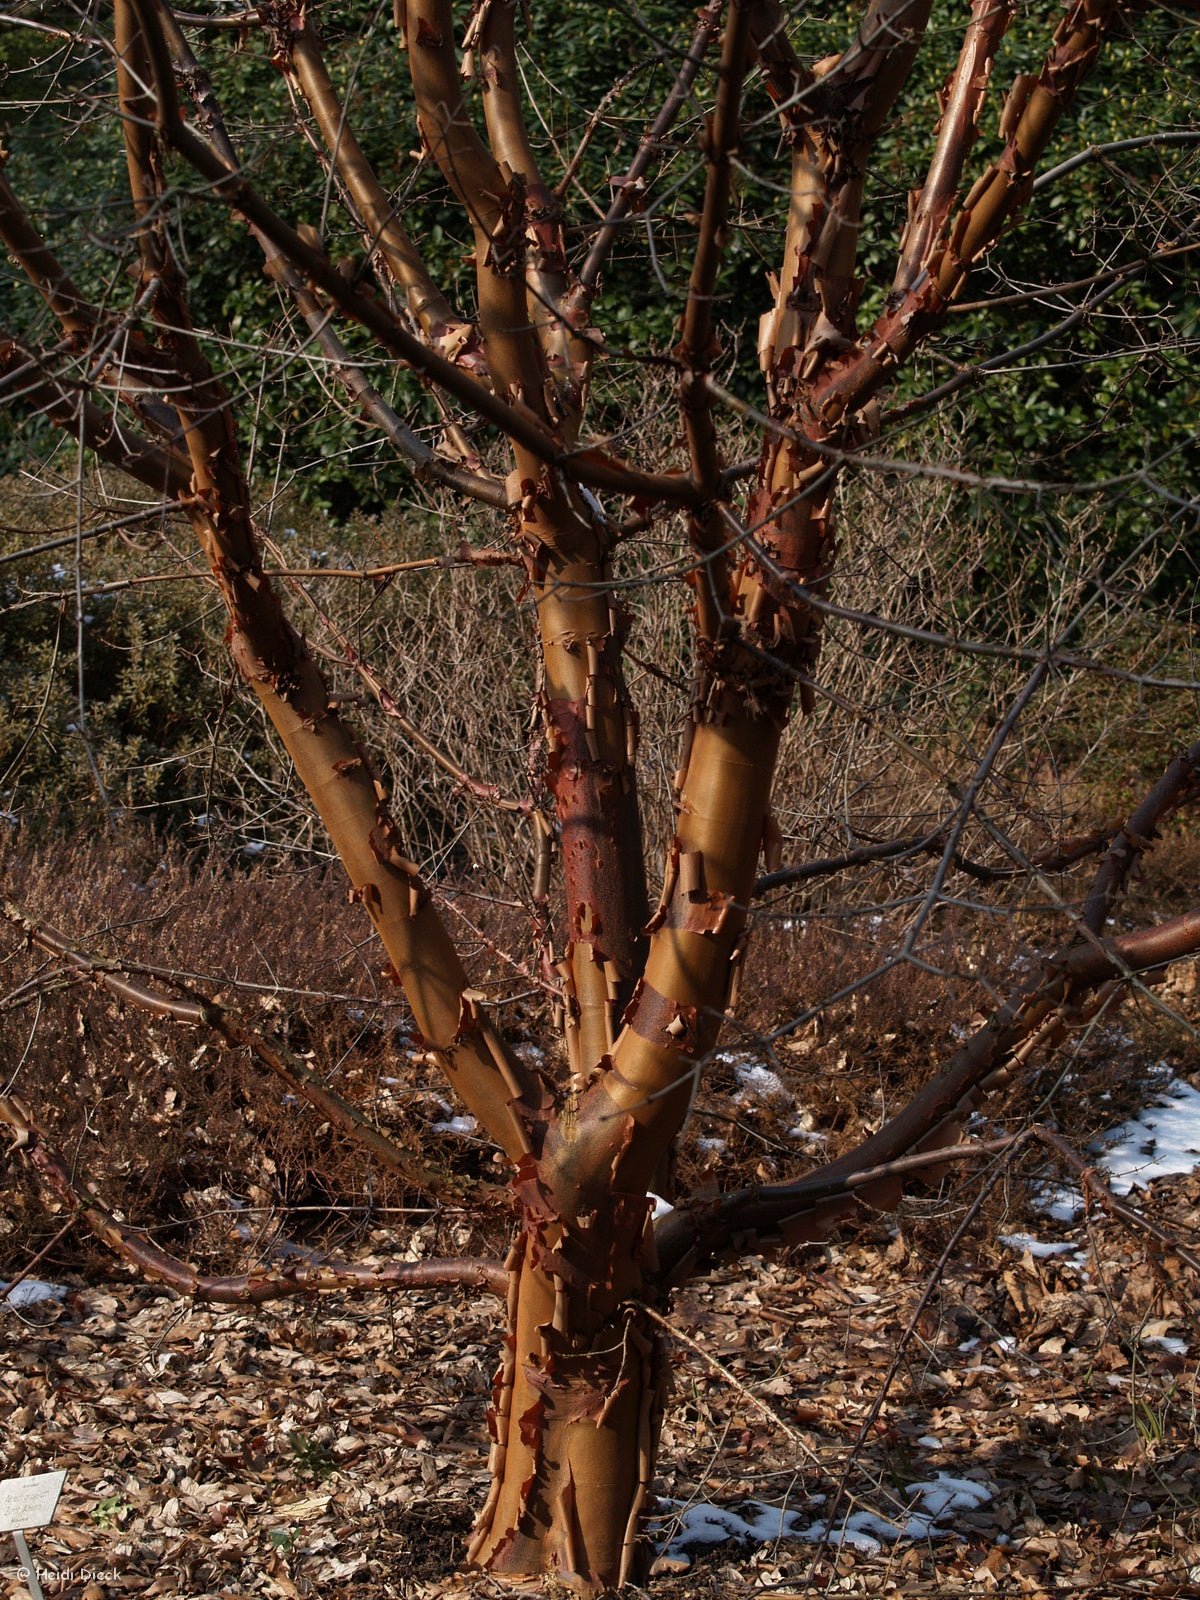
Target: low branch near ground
(326, 1276)
(805, 1209)
(1054, 859)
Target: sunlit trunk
(577, 1403)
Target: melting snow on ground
(31, 1292)
(1163, 1141)
(1022, 1242)
(455, 1125)
(931, 1503)
(1167, 1342)
(758, 1082)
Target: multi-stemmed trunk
(579, 1397)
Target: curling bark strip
(581, 1381)
(591, 732)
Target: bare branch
(631, 186)
(230, 187)
(698, 346)
(1053, 859)
(27, 382)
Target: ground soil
(336, 1449)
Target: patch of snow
(928, 1442)
(32, 1292)
(1173, 1346)
(255, 847)
(862, 1530)
(1163, 1141)
(758, 1081)
(716, 1145)
(946, 1493)
(1022, 1242)
(1057, 1203)
(1160, 1142)
(750, 1521)
(455, 1125)
(661, 1206)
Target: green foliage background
(1116, 396)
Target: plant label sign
(29, 1502)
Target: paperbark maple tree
(643, 993)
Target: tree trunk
(578, 1400)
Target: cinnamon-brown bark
(643, 995)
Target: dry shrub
(171, 1126)
(195, 1143)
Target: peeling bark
(578, 1399)
(579, 1394)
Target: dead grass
(196, 1143)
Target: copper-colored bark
(579, 1395)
